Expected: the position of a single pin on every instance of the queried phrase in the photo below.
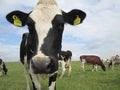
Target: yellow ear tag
(17, 21)
(77, 20)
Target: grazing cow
(40, 47)
(92, 59)
(114, 60)
(65, 61)
(3, 69)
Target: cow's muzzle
(43, 65)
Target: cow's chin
(42, 65)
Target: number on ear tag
(17, 21)
(77, 20)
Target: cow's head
(46, 25)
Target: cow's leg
(69, 67)
(96, 67)
(93, 68)
(113, 63)
(69, 70)
(27, 78)
(52, 82)
(83, 65)
(26, 73)
(4, 68)
(35, 80)
(1, 70)
(63, 68)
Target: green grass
(88, 80)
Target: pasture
(88, 80)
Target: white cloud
(9, 52)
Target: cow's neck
(47, 2)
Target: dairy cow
(3, 68)
(40, 47)
(64, 58)
(114, 60)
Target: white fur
(62, 64)
(94, 68)
(43, 15)
(52, 86)
(83, 64)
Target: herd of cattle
(64, 62)
(40, 49)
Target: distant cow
(40, 47)
(92, 59)
(3, 69)
(65, 61)
(114, 60)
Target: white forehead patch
(42, 15)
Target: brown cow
(92, 59)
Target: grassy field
(108, 80)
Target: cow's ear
(74, 17)
(17, 18)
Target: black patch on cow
(0, 61)
(65, 55)
(52, 43)
(32, 40)
(3, 66)
(23, 47)
(29, 42)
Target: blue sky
(99, 34)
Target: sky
(99, 34)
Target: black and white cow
(3, 68)
(64, 58)
(40, 47)
(114, 60)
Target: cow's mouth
(43, 65)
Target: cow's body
(65, 62)
(114, 60)
(3, 68)
(40, 47)
(91, 59)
